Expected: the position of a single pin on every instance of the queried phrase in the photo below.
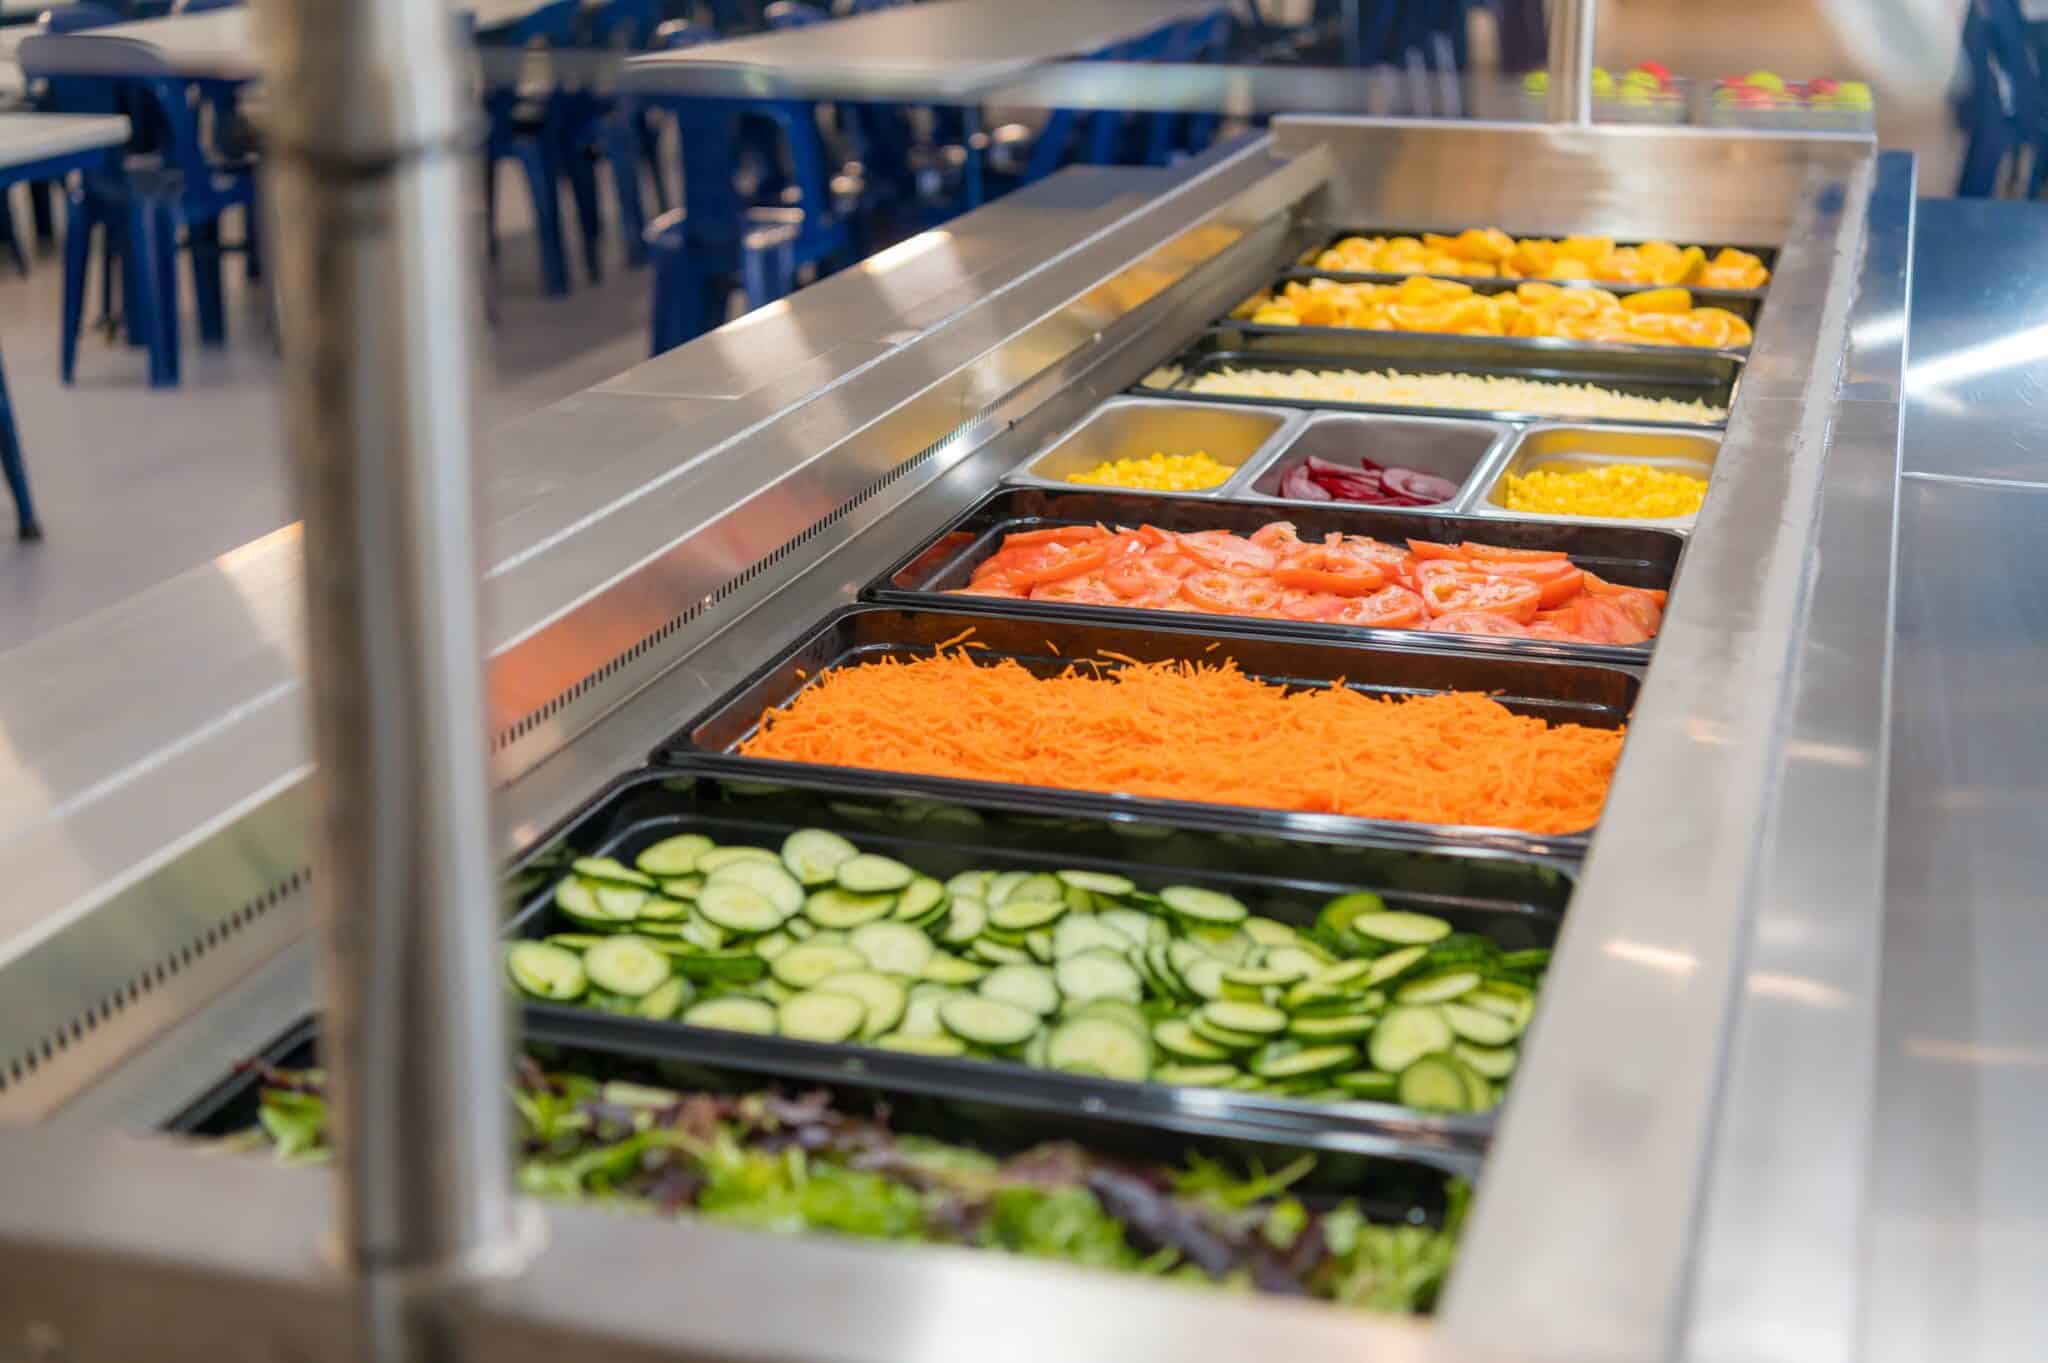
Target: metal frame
(886, 438)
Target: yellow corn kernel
(1617, 491)
(1159, 472)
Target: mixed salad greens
(781, 1162)
(1082, 971)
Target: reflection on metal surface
(1807, 993)
(1667, 959)
(1969, 1053)
(2010, 351)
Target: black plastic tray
(1712, 378)
(1560, 690)
(1633, 557)
(1390, 1186)
(1305, 262)
(1518, 903)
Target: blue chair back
(625, 24)
(554, 24)
(794, 14)
(201, 6)
(78, 18)
(678, 34)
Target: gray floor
(135, 485)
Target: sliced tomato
(1333, 568)
(1227, 593)
(1297, 604)
(1058, 534)
(1478, 622)
(1430, 549)
(1078, 591)
(1278, 536)
(1140, 579)
(1222, 550)
(1600, 586)
(1544, 630)
(1500, 553)
(1448, 588)
(1560, 579)
(1642, 610)
(1605, 617)
(1391, 607)
(1151, 536)
(982, 590)
(1063, 562)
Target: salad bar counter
(1018, 749)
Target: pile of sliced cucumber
(1078, 971)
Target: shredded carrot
(945, 644)
(1053, 647)
(1200, 731)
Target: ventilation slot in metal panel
(25, 1064)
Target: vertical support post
(371, 140)
(1572, 26)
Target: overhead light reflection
(881, 262)
(1667, 959)
(1797, 989)
(1969, 1053)
(2007, 352)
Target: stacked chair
(2002, 108)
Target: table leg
(15, 470)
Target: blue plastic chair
(2004, 108)
(201, 6)
(14, 469)
(41, 193)
(631, 136)
(533, 134)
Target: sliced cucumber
(627, 966)
(718, 967)
(987, 1022)
(1438, 1083)
(921, 1012)
(866, 874)
(1177, 1038)
(719, 857)
(1283, 1062)
(1098, 974)
(815, 1015)
(1256, 979)
(882, 997)
(1196, 1076)
(704, 934)
(737, 908)
(839, 908)
(1266, 932)
(665, 1000)
(1488, 999)
(1117, 1011)
(766, 879)
(578, 900)
(1401, 929)
(948, 969)
(923, 901)
(1481, 1027)
(992, 952)
(1491, 1062)
(1099, 882)
(1393, 964)
(733, 1013)
(1204, 906)
(1223, 1037)
(808, 963)
(812, 855)
(1133, 924)
(939, 1046)
(1203, 975)
(1039, 943)
(682, 887)
(1254, 1019)
(611, 870)
(1369, 1084)
(1438, 988)
(970, 884)
(773, 944)
(676, 856)
(1297, 963)
(1335, 1027)
(965, 920)
(1039, 887)
(544, 970)
(578, 942)
(894, 948)
(1022, 915)
(1094, 1045)
(1340, 913)
(1027, 986)
(1406, 1034)
(999, 886)
(661, 908)
(1534, 960)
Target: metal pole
(370, 137)
(1572, 26)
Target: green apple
(1853, 94)
(1603, 83)
(1765, 80)
(1536, 82)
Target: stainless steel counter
(1958, 1219)
(1688, 1167)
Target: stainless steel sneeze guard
(726, 510)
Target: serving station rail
(730, 498)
